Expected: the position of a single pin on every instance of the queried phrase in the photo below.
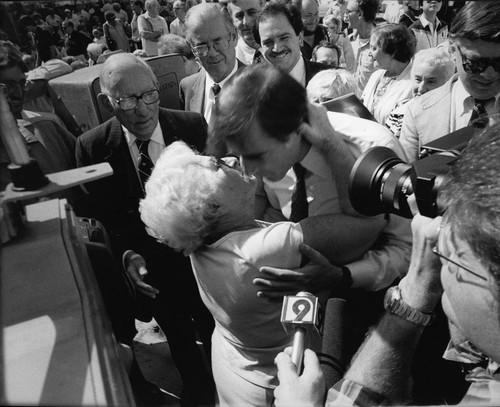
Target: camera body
(380, 182)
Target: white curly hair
(180, 209)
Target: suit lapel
(168, 128)
(119, 156)
(196, 102)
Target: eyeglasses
(219, 45)
(478, 65)
(438, 253)
(15, 87)
(130, 102)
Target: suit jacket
(115, 199)
(312, 68)
(192, 91)
(427, 118)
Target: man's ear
(104, 99)
(453, 50)
(301, 38)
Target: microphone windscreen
(332, 351)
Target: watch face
(391, 296)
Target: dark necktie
(257, 57)
(479, 117)
(215, 89)
(300, 206)
(145, 164)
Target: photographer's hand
(421, 288)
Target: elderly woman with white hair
(201, 206)
(331, 84)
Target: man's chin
(249, 40)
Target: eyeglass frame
(13, 86)
(215, 45)
(466, 62)
(440, 254)
(118, 101)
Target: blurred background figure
(120, 14)
(94, 51)
(174, 44)
(314, 33)
(428, 29)
(151, 27)
(177, 26)
(75, 42)
(327, 53)
(98, 36)
(392, 47)
(114, 32)
(411, 13)
(137, 10)
(336, 36)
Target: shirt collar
(209, 81)
(299, 71)
(156, 137)
(427, 23)
(465, 101)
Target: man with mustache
(281, 36)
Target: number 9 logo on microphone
(301, 309)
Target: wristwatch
(394, 304)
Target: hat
(50, 69)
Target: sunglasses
(478, 65)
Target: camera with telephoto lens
(381, 182)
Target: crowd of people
(218, 210)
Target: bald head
(118, 69)
(130, 91)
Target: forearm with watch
(383, 362)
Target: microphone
(332, 353)
(299, 314)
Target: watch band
(394, 304)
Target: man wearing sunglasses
(213, 38)
(455, 260)
(471, 96)
(131, 142)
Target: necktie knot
(215, 89)
(479, 117)
(257, 57)
(142, 145)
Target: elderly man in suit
(470, 95)
(212, 37)
(131, 142)
(281, 37)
